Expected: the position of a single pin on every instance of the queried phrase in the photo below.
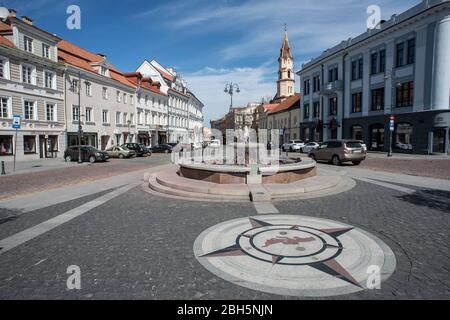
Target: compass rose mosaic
(294, 255)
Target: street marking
(387, 185)
(44, 227)
(265, 208)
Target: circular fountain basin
(289, 170)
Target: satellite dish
(4, 13)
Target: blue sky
(210, 42)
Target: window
(29, 144)
(399, 55)
(6, 145)
(29, 113)
(117, 117)
(405, 95)
(377, 99)
(403, 136)
(74, 86)
(50, 112)
(119, 97)
(75, 113)
(103, 70)
(411, 51)
(4, 68)
(132, 100)
(27, 44)
(88, 89)
(132, 118)
(333, 106)
(49, 80)
(316, 84)
(356, 102)
(374, 63)
(28, 74)
(52, 144)
(360, 68)
(4, 108)
(105, 93)
(356, 132)
(125, 117)
(316, 109)
(88, 114)
(382, 61)
(105, 116)
(46, 51)
(333, 74)
(125, 98)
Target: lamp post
(79, 118)
(231, 88)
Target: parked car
(140, 149)
(293, 146)
(269, 145)
(340, 151)
(309, 147)
(88, 153)
(120, 152)
(162, 148)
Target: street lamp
(230, 88)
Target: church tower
(286, 75)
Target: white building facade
(400, 70)
(32, 87)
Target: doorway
(439, 141)
(377, 137)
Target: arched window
(403, 136)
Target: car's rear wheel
(92, 159)
(336, 161)
(68, 159)
(121, 156)
(356, 163)
(312, 156)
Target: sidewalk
(37, 165)
(406, 156)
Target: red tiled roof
(165, 75)
(5, 28)
(6, 42)
(81, 58)
(286, 104)
(146, 82)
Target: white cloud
(209, 83)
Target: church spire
(285, 51)
(286, 77)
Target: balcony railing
(332, 87)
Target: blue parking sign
(16, 122)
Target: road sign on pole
(16, 125)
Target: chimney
(12, 13)
(27, 20)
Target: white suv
(293, 146)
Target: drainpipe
(342, 114)
(65, 104)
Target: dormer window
(103, 70)
(27, 44)
(46, 51)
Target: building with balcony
(32, 87)
(400, 69)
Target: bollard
(3, 168)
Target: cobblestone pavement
(139, 246)
(417, 167)
(12, 185)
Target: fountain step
(259, 194)
(155, 186)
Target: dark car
(88, 153)
(162, 148)
(140, 150)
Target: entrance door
(439, 141)
(377, 137)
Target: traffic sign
(16, 122)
